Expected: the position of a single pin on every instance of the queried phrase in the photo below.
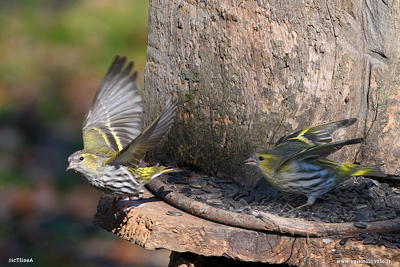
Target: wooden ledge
(150, 227)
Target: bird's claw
(124, 211)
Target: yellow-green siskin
(113, 142)
(298, 164)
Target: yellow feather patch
(303, 132)
(346, 167)
(115, 137)
(361, 172)
(269, 156)
(269, 163)
(147, 173)
(303, 139)
(91, 160)
(285, 169)
(103, 135)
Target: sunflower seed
(217, 203)
(185, 190)
(213, 195)
(222, 181)
(195, 184)
(252, 212)
(360, 225)
(233, 187)
(211, 182)
(239, 209)
(378, 203)
(360, 238)
(225, 187)
(368, 240)
(178, 180)
(243, 202)
(393, 201)
(390, 245)
(375, 182)
(173, 213)
(359, 207)
(234, 194)
(343, 241)
(257, 196)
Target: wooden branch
(268, 221)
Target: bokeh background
(53, 56)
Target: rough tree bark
(248, 72)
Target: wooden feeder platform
(152, 223)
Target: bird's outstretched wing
(149, 138)
(114, 118)
(316, 135)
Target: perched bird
(113, 142)
(297, 164)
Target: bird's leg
(288, 199)
(297, 208)
(286, 205)
(125, 209)
(310, 202)
(114, 205)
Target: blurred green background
(53, 55)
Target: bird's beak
(72, 165)
(250, 161)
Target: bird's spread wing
(114, 118)
(319, 151)
(317, 135)
(149, 138)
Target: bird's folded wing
(319, 151)
(319, 134)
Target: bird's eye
(81, 158)
(260, 158)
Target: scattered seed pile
(357, 200)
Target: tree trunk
(248, 72)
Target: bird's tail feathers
(148, 173)
(370, 171)
(160, 170)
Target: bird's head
(265, 161)
(83, 162)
